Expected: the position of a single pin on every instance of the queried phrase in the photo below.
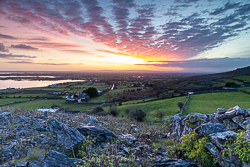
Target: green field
(244, 88)
(13, 100)
(209, 102)
(33, 105)
(222, 82)
(246, 78)
(169, 106)
(29, 95)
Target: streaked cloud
(22, 46)
(175, 30)
(3, 48)
(13, 56)
(7, 36)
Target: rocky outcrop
(56, 159)
(175, 163)
(67, 137)
(219, 127)
(100, 134)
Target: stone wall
(219, 127)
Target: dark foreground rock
(56, 159)
(67, 137)
(100, 134)
(175, 163)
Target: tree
(230, 84)
(92, 92)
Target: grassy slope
(209, 102)
(48, 103)
(244, 88)
(169, 106)
(246, 78)
(12, 100)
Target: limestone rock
(247, 112)
(56, 159)
(22, 164)
(91, 120)
(68, 137)
(241, 121)
(206, 129)
(221, 110)
(231, 125)
(5, 116)
(97, 132)
(127, 138)
(175, 163)
(219, 138)
(213, 149)
(176, 126)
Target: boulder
(56, 159)
(97, 132)
(248, 130)
(176, 126)
(35, 163)
(220, 138)
(175, 163)
(247, 112)
(22, 164)
(221, 110)
(231, 125)
(67, 137)
(206, 129)
(5, 116)
(231, 112)
(127, 138)
(213, 149)
(91, 120)
(8, 164)
(241, 121)
(220, 117)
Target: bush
(230, 84)
(195, 148)
(97, 110)
(180, 105)
(160, 114)
(138, 114)
(114, 111)
(54, 105)
(239, 146)
(128, 110)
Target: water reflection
(30, 83)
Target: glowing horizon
(177, 35)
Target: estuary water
(31, 83)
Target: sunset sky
(154, 35)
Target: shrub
(138, 114)
(114, 111)
(195, 149)
(180, 105)
(128, 110)
(54, 105)
(239, 146)
(172, 146)
(97, 110)
(160, 114)
(230, 84)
